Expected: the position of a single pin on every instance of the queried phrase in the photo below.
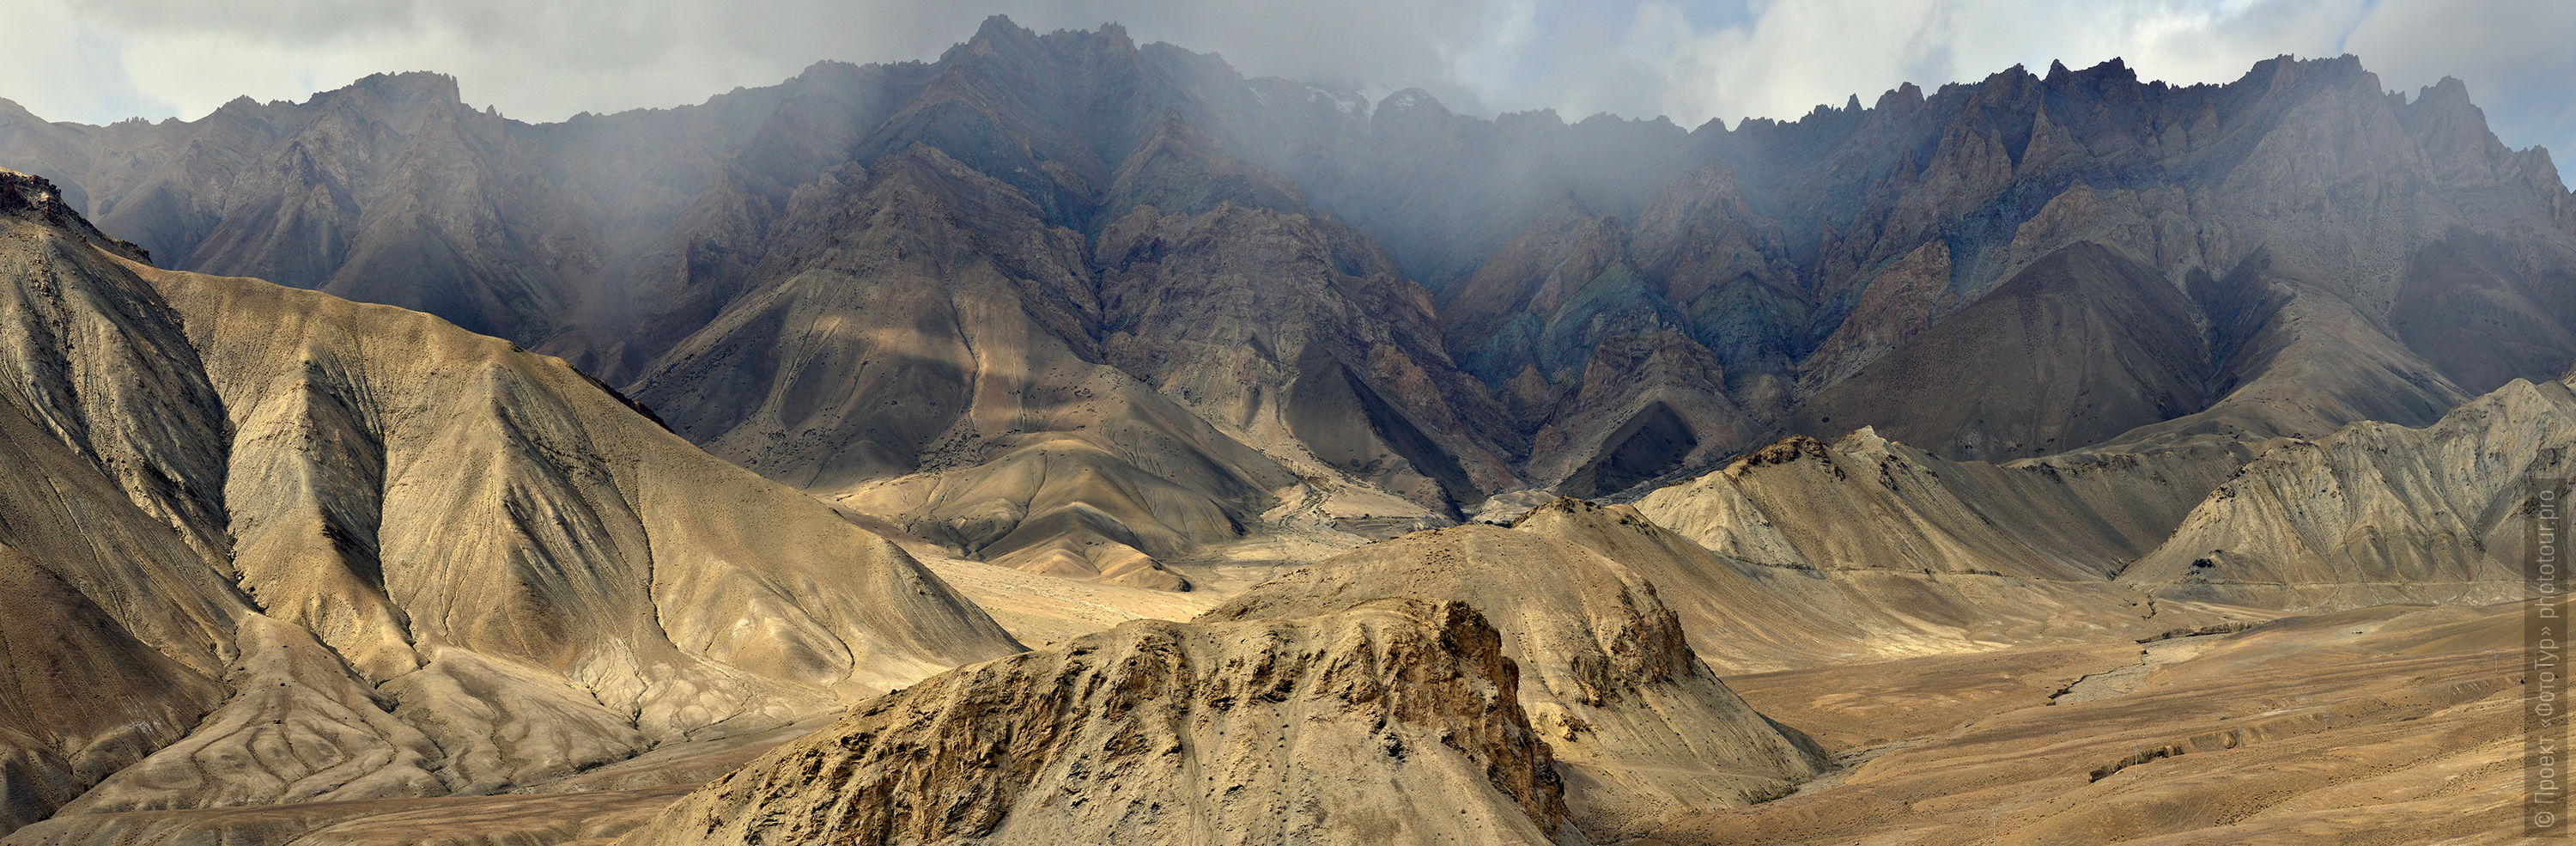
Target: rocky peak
(1901, 98)
(2112, 71)
(1540, 120)
(409, 89)
(36, 198)
(1114, 36)
(1154, 732)
(20, 191)
(1411, 101)
(998, 29)
(998, 36)
(2452, 133)
(1788, 450)
(2286, 72)
(1605, 671)
(2003, 84)
(2109, 83)
(2450, 92)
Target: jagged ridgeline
(1079, 306)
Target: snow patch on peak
(1408, 99)
(1347, 102)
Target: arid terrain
(1075, 441)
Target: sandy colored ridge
(344, 552)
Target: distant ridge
(1226, 297)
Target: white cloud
(548, 60)
(62, 70)
(1786, 58)
(1781, 59)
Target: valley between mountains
(1074, 441)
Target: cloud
(68, 71)
(546, 61)
(1692, 60)
(540, 61)
(1782, 59)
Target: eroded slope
(1395, 723)
(418, 560)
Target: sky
(97, 61)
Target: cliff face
(1642, 729)
(424, 560)
(1391, 723)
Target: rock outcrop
(1395, 723)
(1641, 728)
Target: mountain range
(1129, 299)
(1068, 439)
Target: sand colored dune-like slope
(2378, 512)
(349, 552)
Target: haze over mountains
(460, 517)
(1147, 298)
